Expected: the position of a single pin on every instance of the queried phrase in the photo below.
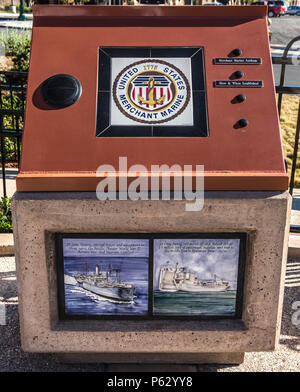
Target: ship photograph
(105, 276)
(195, 276)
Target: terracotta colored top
(60, 149)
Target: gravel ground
(12, 358)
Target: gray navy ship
(106, 284)
(175, 279)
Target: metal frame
(151, 237)
(292, 90)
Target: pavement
(284, 29)
(9, 20)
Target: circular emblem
(151, 91)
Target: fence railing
(13, 87)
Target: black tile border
(103, 127)
(151, 237)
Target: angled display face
(217, 83)
(151, 92)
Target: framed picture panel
(150, 275)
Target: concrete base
(264, 216)
(199, 358)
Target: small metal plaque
(240, 60)
(239, 83)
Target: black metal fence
(13, 87)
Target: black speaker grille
(61, 90)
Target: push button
(240, 98)
(238, 74)
(236, 52)
(242, 123)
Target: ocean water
(133, 270)
(205, 304)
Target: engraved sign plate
(239, 83)
(241, 60)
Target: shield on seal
(151, 91)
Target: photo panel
(105, 276)
(150, 276)
(195, 276)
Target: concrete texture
(12, 358)
(263, 215)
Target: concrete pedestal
(264, 216)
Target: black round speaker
(61, 90)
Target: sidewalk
(294, 238)
(277, 49)
(10, 20)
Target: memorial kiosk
(147, 280)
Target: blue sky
(205, 257)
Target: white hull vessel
(200, 288)
(101, 284)
(110, 292)
(177, 279)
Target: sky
(205, 257)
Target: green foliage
(17, 45)
(13, 101)
(27, 10)
(5, 215)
